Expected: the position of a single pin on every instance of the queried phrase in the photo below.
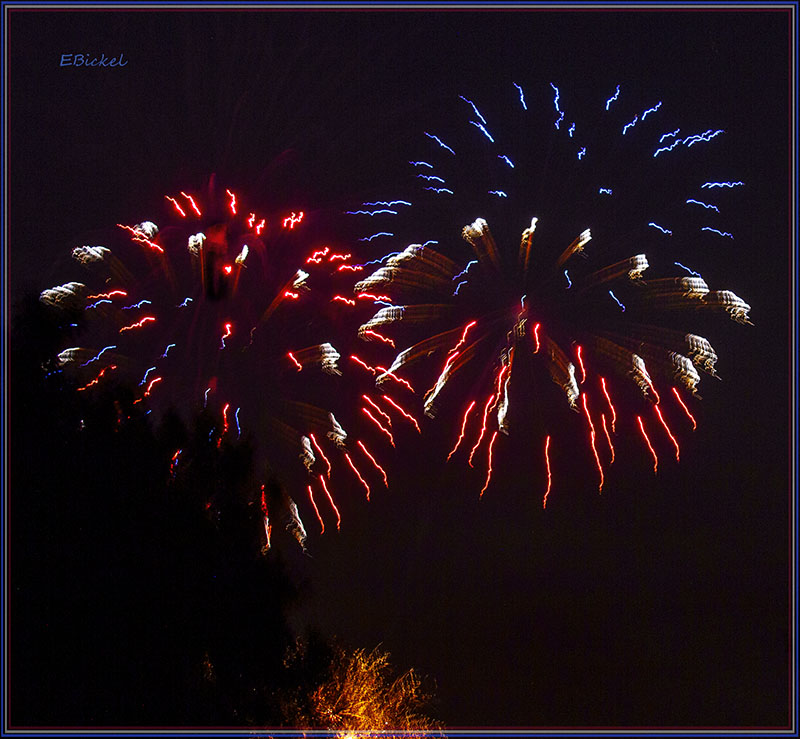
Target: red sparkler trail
(592, 439)
(536, 336)
(316, 510)
(649, 445)
(463, 427)
(321, 453)
(685, 409)
(608, 436)
(610, 405)
(192, 203)
(225, 418)
(579, 351)
(138, 324)
(343, 257)
(358, 474)
(370, 296)
(290, 294)
(149, 388)
(316, 257)
(177, 206)
(483, 430)
(260, 226)
(333, 505)
(107, 295)
(381, 337)
(363, 364)
(395, 377)
(342, 299)
(669, 433)
(489, 470)
(547, 464)
(403, 412)
(290, 221)
(378, 408)
(233, 201)
(463, 337)
(378, 424)
(350, 268)
(375, 462)
(97, 379)
(297, 364)
(137, 235)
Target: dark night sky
(665, 601)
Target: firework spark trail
(333, 505)
(579, 353)
(374, 236)
(483, 429)
(649, 445)
(463, 428)
(403, 412)
(547, 465)
(709, 185)
(138, 324)
(380, 337)
(292, 220)
(296, 363)
(614, 97)
(228, 332)
(489, 469)
(316, 510)
(374, 420)
(669, 433)
(232, 204)
(592, 437)
(440, 142)
(382, 413)
(192, 203)
(610, 405)
(141, 236)
(111, 294)
(692, 201)
(149, 388)
(97, 379)
(717, 231)
(358, 474)
(321, 454)
(608, 436)
(617, 300)
(98, 355)
(685, 409)
(375, 463)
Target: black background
(663, 602)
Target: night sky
(665, 601)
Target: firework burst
(211, 312)
(607, 328)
